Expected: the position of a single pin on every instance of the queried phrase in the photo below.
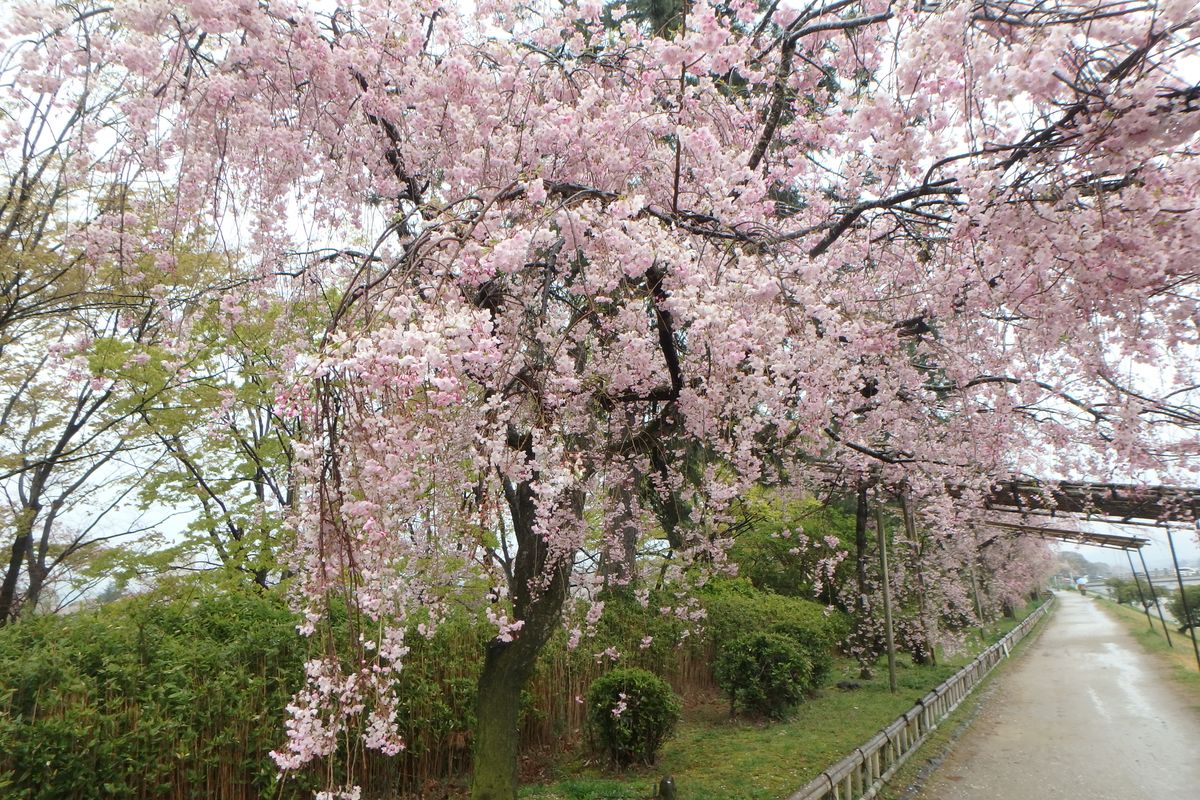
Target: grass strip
(1180, 659)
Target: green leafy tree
(1126, 592)
(1189, 617)
(793, 547)
(227, 439)
(88, 306)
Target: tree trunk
(928, 652)
(618, 557)
(36, 556)
(618, 561)
(538, 591)
(8, 590)
(21, 546)
(506, 670)
(860, 545)
(33, 593)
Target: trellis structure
(1111, 541)
(1109, 502)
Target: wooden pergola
(1112, 541)
(1018, 503)
(1109, 502)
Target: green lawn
(713, 757)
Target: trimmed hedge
(764, 673)
(631, 712)
(735, 608)
(771, 649)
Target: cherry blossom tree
(588, 262)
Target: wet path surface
(1084, 714)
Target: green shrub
(437, 687)
(625, 623)
(736, 608)
(631, 712)
(764, 673)
(184, 695)
(815, 643)
(146, 695)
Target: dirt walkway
(1084, 714)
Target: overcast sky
(1157, 554)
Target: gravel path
(1084, 714)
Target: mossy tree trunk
(22, 545)
(538, 589)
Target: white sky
(1158, 554)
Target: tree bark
(538, 591)
(929, 654)
(8, 590)
(21, 547)
(505, 672)
(618, 558)
(618, 561)
(33, 593)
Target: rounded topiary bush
(764, 673)
(631, 712)
(815, 642)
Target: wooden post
(1154, 597)
(1187, 612)
(975, 592)
(887, 594)
(910, 529)
(1141, 598)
